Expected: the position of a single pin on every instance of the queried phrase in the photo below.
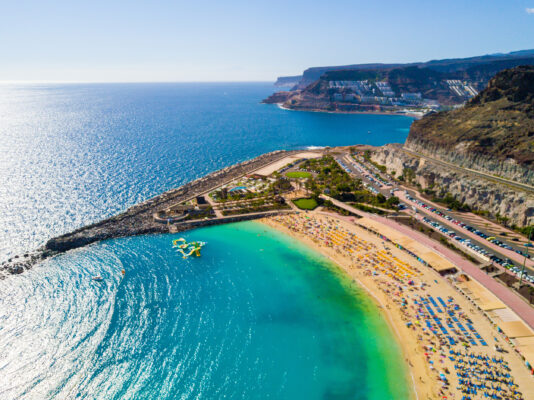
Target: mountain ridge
(314, 73)
(493, 132)
(409, 88)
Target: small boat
(98, 278)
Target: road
(516, 185)
(497, 250)
(348, 162)
(518, 259)
(471, 219)
(506, 295)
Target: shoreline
(424, 349)
(139, 218)
(318, 110)
(416, 389)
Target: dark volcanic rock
(137, 220)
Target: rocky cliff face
(493, 133)
(478, 193)
(461, 155)
(430, 79)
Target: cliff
(422, 86)
(493, 133)
(476, 192)
(313, 74)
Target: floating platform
(188, 249)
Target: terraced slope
(493, 133)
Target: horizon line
(8, 82)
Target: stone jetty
(138, 220)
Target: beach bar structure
(514, 329)
(437, 262)
(507, 321)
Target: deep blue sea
(257, 316)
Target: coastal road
(488, 227)
(474, 253)
(472, 220)
(507, 296)
(347, 161)
(516, 185)
(474, 238)
(497, 250)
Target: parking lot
(473, 239)
(483, 247)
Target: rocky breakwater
(477, 192)
(137, 220)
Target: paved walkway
(506, 295)
(214, 206)
(505, 252)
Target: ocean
(286, 325)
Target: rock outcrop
(476, 192)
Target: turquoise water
(256, 316)
(74, 154)
(237, 323)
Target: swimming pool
(238, 188)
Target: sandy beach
(425, 311)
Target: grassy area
(298, 174)
(306, 204)
(331, 179)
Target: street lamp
(527, 245)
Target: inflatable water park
(186, 248)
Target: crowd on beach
(461, 363)
(484, 375)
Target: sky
(254, 40)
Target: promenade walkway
(505, 252)
(506, 295)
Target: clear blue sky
(234, 40)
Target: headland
(412, 89)
(428, 243)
